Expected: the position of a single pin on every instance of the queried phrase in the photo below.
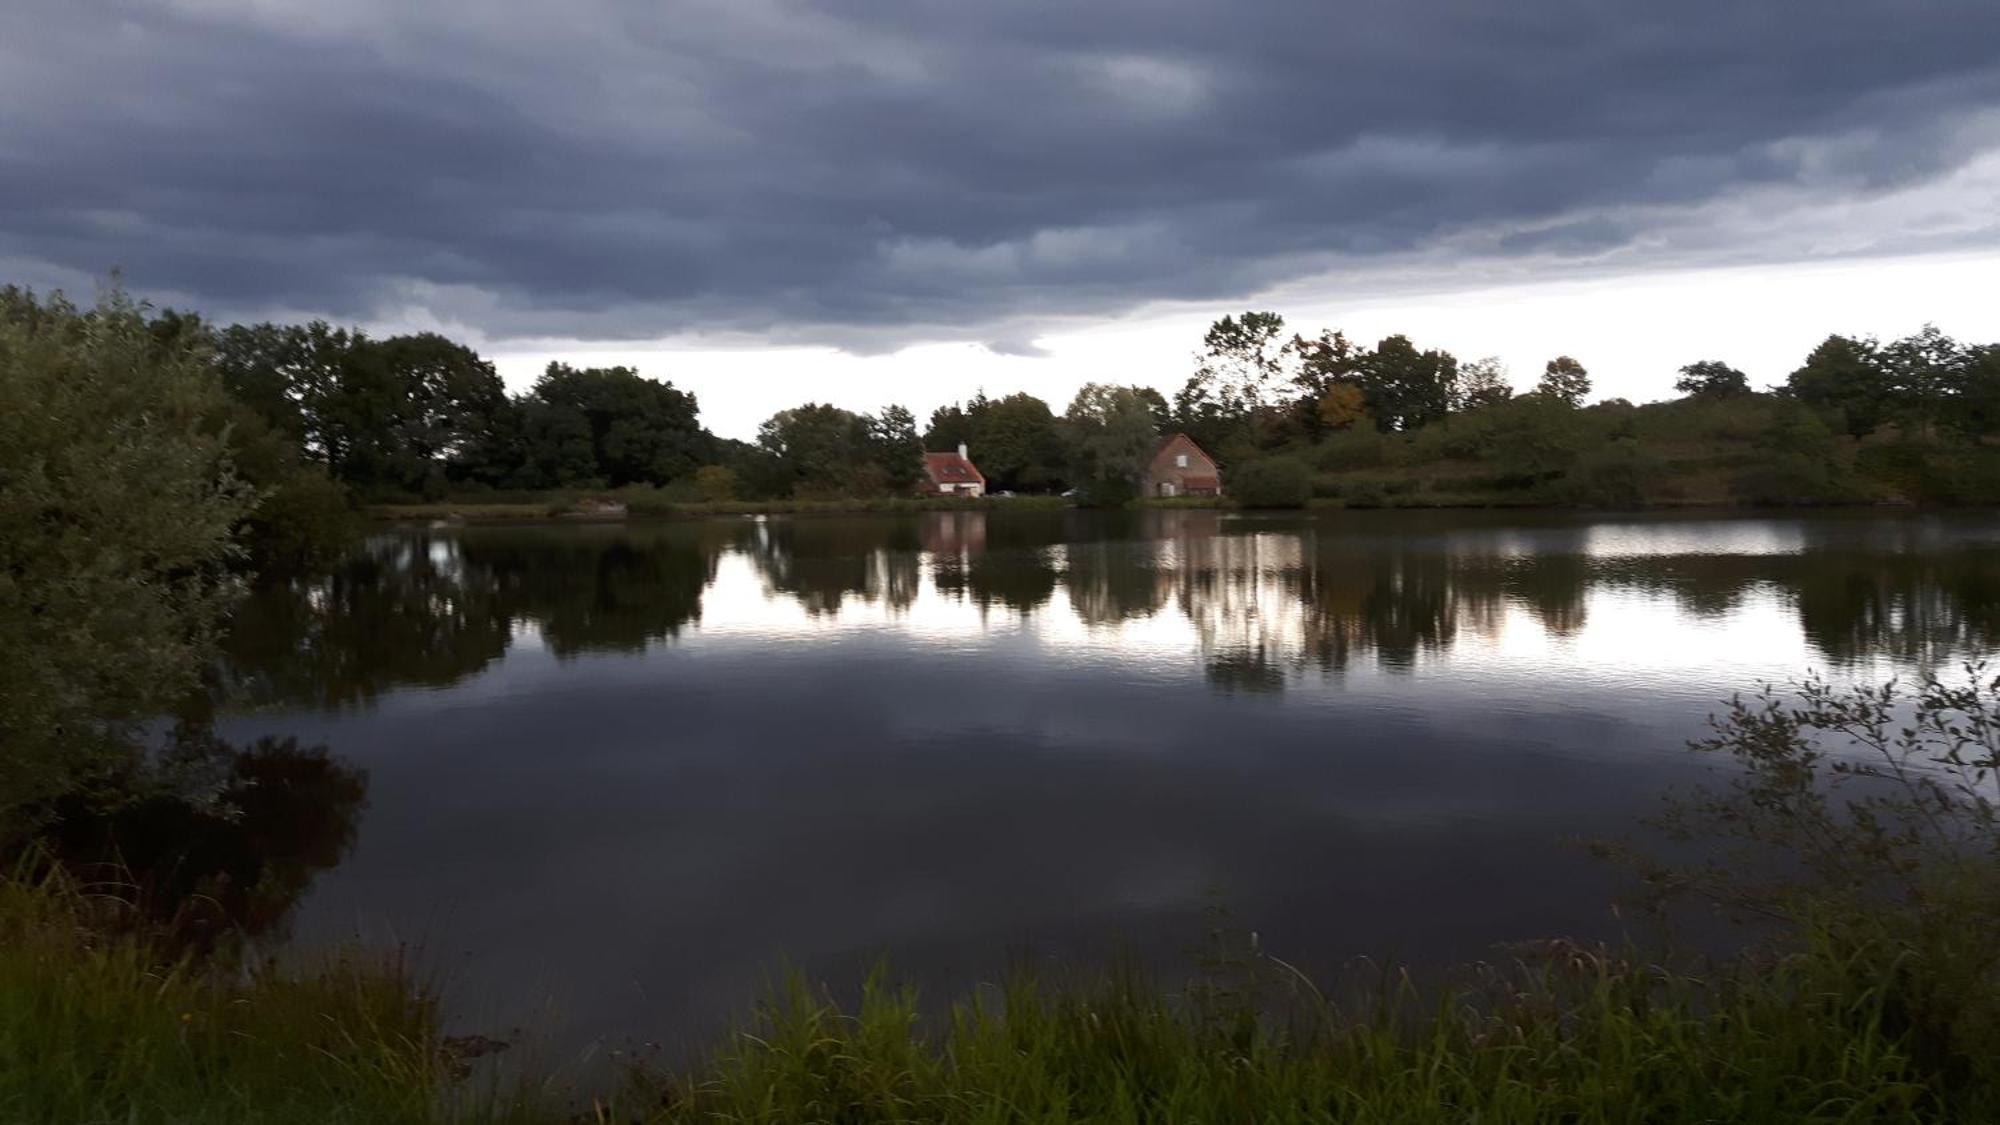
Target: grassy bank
(101, 1022)
(1564, 1034)
(102, 1029)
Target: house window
(1180, 460)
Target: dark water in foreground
(616, 774)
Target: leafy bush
(1538, 439)
(1865, 824)
(117, 507)
(301, 522)
(1364, 494)
(1362, 447)
(715, 483)
(1780, 479)
(1741, 418)
(686, 490)
(1275, 482)
(1934, 472)
(1106, 492)
(1471, 436)
(1618, 475)
(1797, 460)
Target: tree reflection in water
(593, 593)
(1264, 599)
(276, 815)
(1261, 603)
(823, 562)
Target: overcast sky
(890, 200)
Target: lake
(615, 775)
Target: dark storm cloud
(863, 170)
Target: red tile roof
(950, 468)
(1174, 437)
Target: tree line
(320, 414)
(1294, 417)
(1252, 384)
(421, 416)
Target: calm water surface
(615, 774)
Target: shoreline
(567, 511)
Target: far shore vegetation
(152, 468)
(328, 424)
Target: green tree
(821, 450)
(893, 446)
(294, 376)
(950, 427)
(405, 407)
(1318, 363)
(1109, 431)
(1711, 378)
(1242, 359)
(1845, 377)
(303, 518)
(1204, 414)
(1406, 388)
(386, 416)
(1016, 442)
(117, 504)
(552, 446)
(1564, 380)
(641, 431)
(450, 401)
(1163, 412)
(1238, 373)
(1977, 411)
(1924, 372)
(1481, 383)
(259, 365)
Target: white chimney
(961, 452)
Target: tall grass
(95, 1026)
(100, 1022)
(100, 1031)
(1571, 1035)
